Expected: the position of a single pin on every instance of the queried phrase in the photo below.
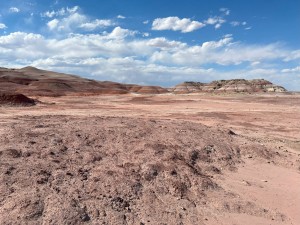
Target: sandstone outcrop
(235, 85)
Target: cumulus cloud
(293, 55)
(164, 43)
(70, 19)
(121, 17)
(218, 25)
(120, 33)
(53, 24)
(115, 44)
(291, 70)
(67, 24)
(238, 23)
(184, 25)
(96, 24)
(2, 26)
(225, 11)
(255, 63)
(60, 12)
(120, 56)
(235, 23)
(14, 10)
(216, 21)
(223, 52)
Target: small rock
(231, 132)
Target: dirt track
(164, 159)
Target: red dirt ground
(151, 159)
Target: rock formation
(235, 85)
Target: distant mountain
(35, 82)
(235, 85)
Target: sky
(155, 42)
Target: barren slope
(35, 82)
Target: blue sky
(155, 42)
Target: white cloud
(116, 44)
(14, 10)
(73, 9)
(218, 25)
(293, 55)
(225, 11)
(53, 24)
(119, 33)
(2, 26)
(60, 12)
(216, 21)
(121, 17)
(184, 25)
(255, 63)
(120, 56)
(68, 24)
(223, 52)
(291, 70)
(96, 24)
(163, 43)
(146, 22)
(235, 23)
(70, 20)
(238, 23)
(49, 14)
(212, 20)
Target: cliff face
(235, 85)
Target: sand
(151, 159)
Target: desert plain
(152, 159)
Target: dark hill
(12, 99)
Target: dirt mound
(15, 100)
(235, 85)
(99, 170)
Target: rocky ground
(142, 159)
